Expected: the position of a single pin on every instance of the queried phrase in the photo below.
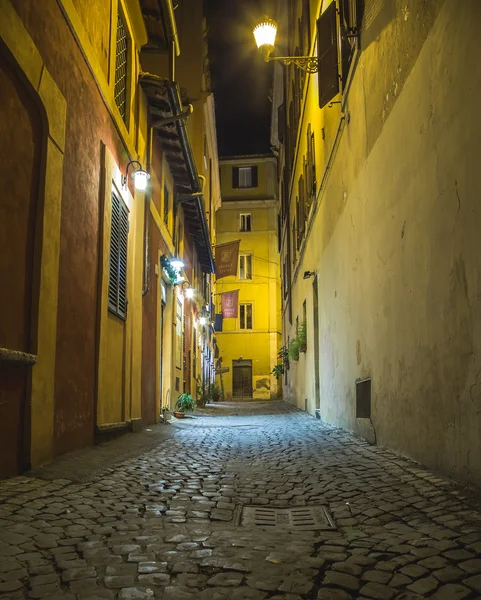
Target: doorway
(315, 320)
(21, 164)
(242, 379)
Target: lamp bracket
(309, 64)
(124, 178)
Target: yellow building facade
(249, 344)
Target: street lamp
(139, 176)
(265, 36)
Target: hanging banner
(229, 301)
(226, 258)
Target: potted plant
(278, 371)
(184, 403)
(283, 356)
(294, 348)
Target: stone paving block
(342, 580)
(136, 593)
(424, 586)
(326, 593)
(377, 591)
(84, 586)
(451, 591)
(473, 582)
(80, 573)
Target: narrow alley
(216, 507)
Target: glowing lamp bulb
(140, 178)
(202, 320)
(265, 36)
(177, 263)
(189, 293)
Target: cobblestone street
(165, 519)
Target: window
(245, 266)
(121, 67)
(245, 222)
(244, 177)
(166, 206)
(245, 314)
(119, 231)
(350, 20)
(331, 81)
(301, 211)
(310, 172)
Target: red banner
(230, 304)
(226, 258)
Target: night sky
(241, 80)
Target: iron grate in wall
(300, 518)
(121, 56)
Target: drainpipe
(169, 17)
(146, 287)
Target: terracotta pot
(179, 415)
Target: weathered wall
(396, 245)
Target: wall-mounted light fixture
(172, 267)
(308, 274)
(265, 36)
(189, 293)
(139, 176)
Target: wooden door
(242, 380)
(21, 145)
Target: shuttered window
(121, 64)
(119, 232)
(328, 55)
(245, 316)
(245, 266)
(245, 223)
(244, 177)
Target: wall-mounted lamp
(308, 274)
(189, 293)
(202, 320)
(139, 176)
(265, 36)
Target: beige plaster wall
(396, 246)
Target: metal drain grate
(301, 518)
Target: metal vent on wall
(300, 518)
(363, 399)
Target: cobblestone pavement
(165, 523)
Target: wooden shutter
(302, 208)
(254, 179)
(119, 230)
(124, 232)
(328, 55)
(281, 121)
(235, 177)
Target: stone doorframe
(30, 65)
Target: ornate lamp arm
(309, 64)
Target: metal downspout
(146, 287)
